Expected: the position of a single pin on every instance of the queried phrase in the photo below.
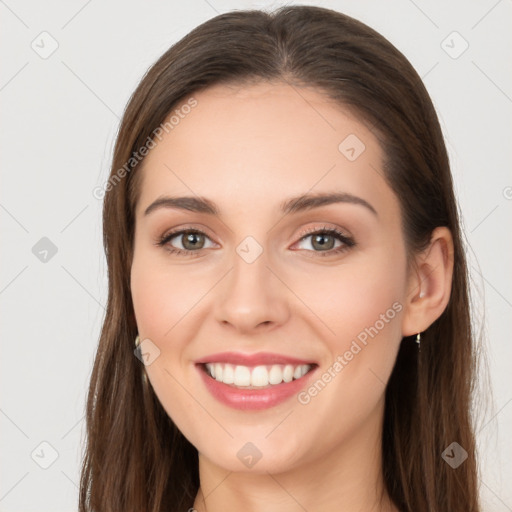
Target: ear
(429, 283)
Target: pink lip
(260, 358)
(254, 399)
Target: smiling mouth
(256, 377)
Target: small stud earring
(418, 340)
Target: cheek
(161, 297)
(362, 307)
(353, 296)
(163, 304)
(148, 298)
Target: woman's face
(255, 278)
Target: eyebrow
(290, 205)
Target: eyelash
(348, 242)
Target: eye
(191, 241)
(323, 241)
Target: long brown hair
(136, 459)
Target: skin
(248, 149)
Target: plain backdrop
(68, 69)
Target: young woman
(288, 320)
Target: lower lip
(253, 399)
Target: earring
(418, 340)
(144, 375)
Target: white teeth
(218, 372)
(257, 376)
(275, 375)
(242, 376)
(228, 377)
(288, 373)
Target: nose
(252, 297)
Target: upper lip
(259, 358)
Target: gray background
(60, 113)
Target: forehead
(248, 145)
